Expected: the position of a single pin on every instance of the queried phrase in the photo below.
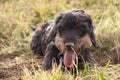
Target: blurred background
(17, 15)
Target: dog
(66, 40)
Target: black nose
(69, 45)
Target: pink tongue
(68, 58)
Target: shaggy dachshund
(66, 40)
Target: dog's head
(72, 31)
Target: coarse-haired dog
(65, 39)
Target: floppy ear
(90, 31)
(54, 29)
(87, 18)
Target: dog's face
(72, 31)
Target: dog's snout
(69, 44)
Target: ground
(12, 65)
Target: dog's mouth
(69, 57)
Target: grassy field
(17, 15)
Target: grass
(17, 15)
(109, 72)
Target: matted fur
(72, 28)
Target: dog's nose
(69, 45)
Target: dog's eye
(82, 33)
(61, 29)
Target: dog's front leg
(88, 57)
(50, 54)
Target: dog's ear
(54, 29)
(59, 18)
(87, 18)
(90, 31)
